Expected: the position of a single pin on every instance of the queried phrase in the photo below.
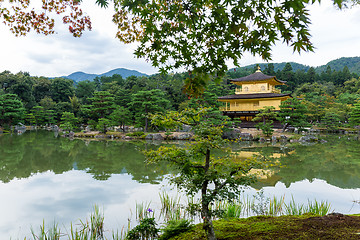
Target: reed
(276, 206)
(173, 212)
(319, 208)
(96, 226)
(143, 210)
(171, 209)
(52, 234)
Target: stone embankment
(242, 134)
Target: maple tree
(200, 36)
(21, 16)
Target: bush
(145, 230)
(135, 134)
(174, 228)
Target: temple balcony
(271, 90)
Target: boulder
(100, 136)
(154, 136)
(185, 128)
(309, 138)
(273, 139)
(232, 134)
(127, 138)
(246, 136)
(184, 136)
(283, 138)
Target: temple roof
(257, 76)
(253, 96)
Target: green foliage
(120, 117)
(202, 35)
(145, 230)
(11, 110)
(85, 90)
(174, 228)
(331, 120)
(266, 128)
(61, 89)
(198, 168)
(146, 102)
(338, 64)
(68, 121)
(135, 134)
(355, 115)
(103, 124)
(292, 112)
(102, 104)
(266, 115)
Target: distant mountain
(353, 63)
(81, 76)
(279, 66)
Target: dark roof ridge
(257, 76)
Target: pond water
(44, 177)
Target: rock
(71, 134)
(308, 138)
(294, 140)
(87, 129)
(127, 138)
(323, 141)
(185, 128)
(100, 136)
(283, 138)
(154, 136)
(232, 134)
(262, 139)
(184, 136)
(273, 139)
(246, 136)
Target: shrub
(135, 134)
(145, 230)
(174, 228)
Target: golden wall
(251, 105)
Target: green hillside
(280, 66)
(353, 63)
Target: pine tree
(11, 109)
(355, 115)
(293, 113)
(145, 102)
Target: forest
(329, 99)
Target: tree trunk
(285, 126)
(146, 120)
(205, 212)
(207, 222)
(146, 124)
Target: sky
(335, 33)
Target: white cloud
(335, 34)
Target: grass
(231, 222)
(259, 205)
(302, 227)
